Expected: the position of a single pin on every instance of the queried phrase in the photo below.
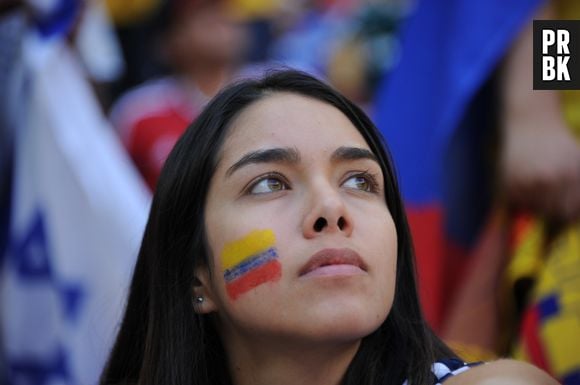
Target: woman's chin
(343, 323)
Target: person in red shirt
(202, 43)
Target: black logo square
(557, 54)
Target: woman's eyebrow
(352, 153)
(270, 155)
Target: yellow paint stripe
(255, 242)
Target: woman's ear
(203, 294)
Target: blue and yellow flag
(448, 51)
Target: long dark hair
(162, 341)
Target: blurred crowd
(178, 54)
(489, 168)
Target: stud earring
(199, 300)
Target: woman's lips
(333, 262)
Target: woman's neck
(271, 363)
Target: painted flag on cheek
(250, 262)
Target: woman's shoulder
(496, 372)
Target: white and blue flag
(77, 217)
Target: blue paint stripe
(249, 264)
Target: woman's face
(301, 242)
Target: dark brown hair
(163, 341)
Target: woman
(277, 251)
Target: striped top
(444, 369)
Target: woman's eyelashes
(274, 182)
(269, 183)
(362, 181)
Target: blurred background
(95, 93)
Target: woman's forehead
(285, 119)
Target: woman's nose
(327, 214)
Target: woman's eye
(268, 185)
(362, 182)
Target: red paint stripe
(271, 271)
(530, 334)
